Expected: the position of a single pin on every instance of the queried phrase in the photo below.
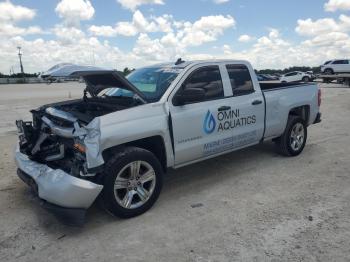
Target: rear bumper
(318, 118)
(56, 186)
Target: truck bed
(267, 86)
(281, 97)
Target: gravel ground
(251, 205)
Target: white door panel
(208, 128)
(194, 126)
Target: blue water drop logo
(209, 123)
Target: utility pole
(20, 59)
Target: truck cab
(223, 105)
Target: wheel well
(301, 111)
(154, 144)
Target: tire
(285, 142)
(329, 71)
(306, 79)
(115, 197)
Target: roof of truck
(184, 64)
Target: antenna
(179, 61)
(20, 59)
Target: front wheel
(292, 141)
(306, 79)
(133, 180)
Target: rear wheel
(133, 180)
(329, 71)
(292, 141)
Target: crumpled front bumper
(56, 186)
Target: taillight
(319, 97)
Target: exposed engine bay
(86, 109)
(52, 138)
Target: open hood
(97, 79)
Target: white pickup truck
(116, 143)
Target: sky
(134, 33)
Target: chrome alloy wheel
(134, 184)
(297, 136)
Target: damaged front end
(57, 139)
(52, 157)
(58, 152)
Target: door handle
(256, 102)
(224, 108)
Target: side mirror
(189, 95)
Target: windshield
(152, 82)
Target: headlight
(79, 147)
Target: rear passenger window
(241, 81)
(340, 62)
(207, 78)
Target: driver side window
(207, 78)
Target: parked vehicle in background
(260, 77)
(336, 66)
(118, 140)
(270, 77)
(296, 76)
(266, 77)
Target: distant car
(296, 76)
(312, 75)
(265, 77)
(260, 78)
(336, 66)
(272, 77)
(277, 75)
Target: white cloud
(245, 38)
(334, 5)
(142, 24)
(274, 33)
(73, 11)
(8, 29)
(133, 4)
(14, 13)
(139, 24)
(309, 27)
(220, 1)
(11, 14)
(68, 35)
(206, 29)
(272, 51)
(331, 39)
(162, 38)
(104, 30)
(164, 23)
(40, 54)
(126, 29)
